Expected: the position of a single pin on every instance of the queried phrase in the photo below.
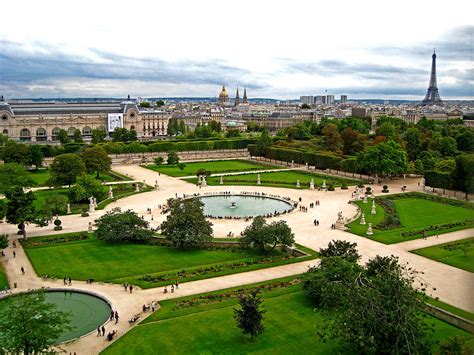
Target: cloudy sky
(280, 49)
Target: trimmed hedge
(323, 160)
(439, 179)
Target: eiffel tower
(432, 95)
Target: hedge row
(439, 179)
(319, 160)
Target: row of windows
(41, 133)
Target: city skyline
(360, 50)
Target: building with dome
(223, 97)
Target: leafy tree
(331, 137)
(36, 155)
(173, 158)
(382, 313)
(85, 187)
(55, 204)
(124, 135)
(20, 207)
(249, 316)
(160, 103)
(341, 248)
(465, 141)
(352, 141)
(181, 166)
(412, 138)
(145, 104)
(263, 143)
(265, 237)
(16, 153)
(464, 173)
(446, 165)
(387, 130)
(158, 161)
(63, 137)
(325, 284)
(13, 175)
(3, 241)
(3, 209)
(305, 107)
(203, 131)
(447, 146)
(399, 124)
(186, 225)
(77, 137)
(381, 264)
(419, 167)
(215, 126)
(203, 172)
(65, 169)
(429, 159)
(356, 124)
(30, 325)
(118, 226)
(232, 133)
(98, 136)
(452, 346)
(383, 159)
(96, 160)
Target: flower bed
(391, 220)
(440, 227)
(57, 240)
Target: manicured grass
(452, 253)
(120, 191)
(160, 265)
(415, 214)
(215, 167)
(3, 278)
(291, 324)
(41, 176)
(285, 179)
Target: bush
(385, 188)
(331, 186)
(118, 226)
(368, 190)
(57, 225)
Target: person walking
(70, 281)
(103, 331)
(98, 331)
(22, 270)
(112, 314)
(130, 288)
(14, 254)
(116, 317)
(153, 306)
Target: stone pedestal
(298, 183)
(156, 185)
(369, 230)
(137, 187)
(292, 163)
(311, 184)
(68, 208)
(111, 193)
(221, 181)
(307, 167)
(323, 186)
(203, 181)
(362, 219)
(365, 199)
(374, 209)
(258, 180)
(89, 228)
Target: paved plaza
(450, 284)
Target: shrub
(385, 188)
(57, 225)
(331, 186)
(368, 190)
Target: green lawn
(120, 191)
(143, 265)
(221, 166)
(454, 310)
(459, 254)
(3, 278)
(285, 179)
(415, 214)
(41, 176)
(290, 321)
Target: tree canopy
(249, 317)
(186, 225)
(96, 160)
(65, 169)
(118, 226)
(383, 159)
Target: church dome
(223, 96)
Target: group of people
(128, 287)
(67, 281)
(172, 287)
(101, 332)
(315, 203)
(151, 306)
(114, 315)
(316, 222)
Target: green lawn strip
(291, 323)
(3, 278)
(120, 263)
(41, 176)
(452, 309)
(120, 191)
(287, 179)
(415, 214)
(451, 253)
(215, 167)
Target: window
(70, 131)
(86, 131)
(132, 127)
(25, 135)
(41, 134)
(132, 115)
(4, 117)
(55, 133)
(101, 128)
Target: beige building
(39, 121)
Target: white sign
(115, 121)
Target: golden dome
(223, 96)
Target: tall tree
(14, 152)
(98, 136)
(96, 160)
(412, 138)
(173, 158)
(263, 143)
(30, 325)
(77, 136)
(13, 175)
(20, 207)
(383, 159)
(464, 173)
(341, 248)
(65, 169)
(55, 204)
(249, 316)
(85, 187)
(63, 137)
(186, 225)
(331, 137)
(36, 156)
(118, 226)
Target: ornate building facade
(39, 122)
